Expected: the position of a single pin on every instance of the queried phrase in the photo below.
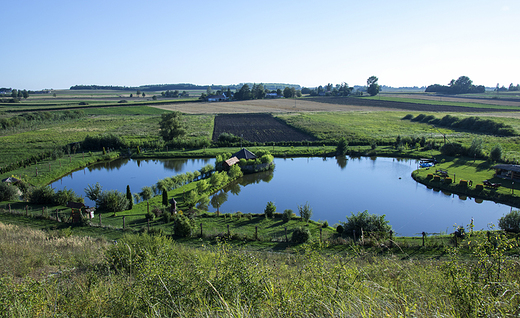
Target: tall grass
(152, 276)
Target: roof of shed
(244, 154)
(515, 168)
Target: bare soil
(257, 128)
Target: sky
(60, 43)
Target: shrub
(436, 178)
(305, 212)
(269, 210)
(182, 226)
(479, 187)
(41, 195)
(8, 192)
(287, 215)
(149, 216)
(63, 196)
(448, 180)
(339, 229)
(463, 183)
(408, 116)
(112, 201)
(371, 223)
(429, 176)
(496, 153)
(510, 222)
(453, 149)
(325, 224)
(301, 235)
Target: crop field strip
(257, 128)
(327, 104)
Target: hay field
(265, 106)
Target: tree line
(463, 85)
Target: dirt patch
(257, 128)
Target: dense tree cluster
(174, 94)
(463, 85)
(342, 89)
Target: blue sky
(57, 44)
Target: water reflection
(342, 161)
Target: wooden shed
(507, 171)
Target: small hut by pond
(235, 158)
(507, 171)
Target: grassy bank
(60, 274)
(476, 171)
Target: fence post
(228, 230)
(286, 240)
(256, 233)
(423, 235)
(99, 219)
(124, 222)
(43, 210)
(57, 219)
(9, 207)
(26, 210)
(201, 229)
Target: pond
(332, 187)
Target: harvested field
(264, 106)
(362, 102)
(463, 99)
(314, 104)
(257, 128)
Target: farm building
(507, 171)
(217, 98)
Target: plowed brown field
(257, 128)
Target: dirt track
(317, 104)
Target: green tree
(8, 192)
(129, 197)
(373, 87)
(342, 147)
(287, 92)
(305, 212)
(496, 153)
(112, 201)
(269, 210)
(93, 191)
(143, 94)
(510, 222)
(475, 150)
(146, 193)
(165, 197)
(172, 126)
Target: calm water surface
(333, 188)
